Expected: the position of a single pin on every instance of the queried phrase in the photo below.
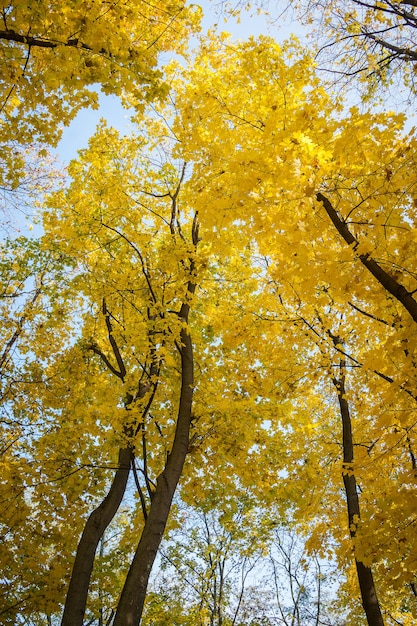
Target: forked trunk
(129, 611)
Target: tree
(212, 555)
(102, 397)
(236, 566)
(292, 153)
(300, 582)
(136, 367)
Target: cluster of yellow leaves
(250, 139)
(54, 55)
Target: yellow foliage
(280, 300)
(53, 55)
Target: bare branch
(400, 52)
(139, 490)
(94, 347)
(372, 317)
(113, 342)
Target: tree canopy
(53, 55)
(217, 315)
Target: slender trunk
(129, 611)
(365, 578)
(318, 622)
(221, 589)
(100, 591)
(94, 528)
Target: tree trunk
(94, 528)
(130, 608)
(365, 578)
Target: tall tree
(144, 319)
(110, 396)
(291, 152)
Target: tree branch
(12, 35)
(395, 288)
(132, 245)
(94, 347)
(113, 342)
(372, 317)
(19, 328)
(139, 490)
(401, 52)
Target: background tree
(274, 177)
(361, 42)
(213, 554)
(381, 38)
(236, 568)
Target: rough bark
(94, 528)
(370, 601)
